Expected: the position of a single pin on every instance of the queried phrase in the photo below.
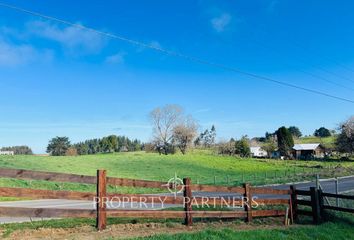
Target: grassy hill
(202, 166)
(328, 142)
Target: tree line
(18, 150)
(281, 141)
(61, 146)
(173, 129)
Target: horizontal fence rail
(341, 196)
(45, 194)
(241, 204)
(316, 203)
(46, 212)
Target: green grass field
(326, 231)
(202, 166)
(339, 226)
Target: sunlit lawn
(201, 166)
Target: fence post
(337, 191)
(315, 204)
(187, 193)
(248, 204)
(101, 220)
(293, 198)
(317, 181)
(321, 204)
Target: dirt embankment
(124, 231)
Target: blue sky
(58, 80)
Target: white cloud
(70, 37)
(155, 44)
(13, 55)
(221, 22)
(272, 6)
(116, 58)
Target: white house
(258, 152)
(7, 153)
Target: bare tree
(184, 133)
(348, 127)
(345, 139)
(164, 120)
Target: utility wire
(172, 53)
(315, 53)
(259, 43)
(307, 72)
(308, 52)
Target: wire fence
(272, 177)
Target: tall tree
(206, 138)
(295, 131)
(322, 132)
(212, 135)
(58, 146)
(82, 148)
(242, 147)
(164, 120)
(113, 143)
(345, 140)
(285, 141)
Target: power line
(291, 42)
(176, 54)
(307, 72)
(315, 53)
(259, 43)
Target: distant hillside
(328, 142)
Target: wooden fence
(246, 192)
(316, 203)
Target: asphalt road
(345, 185)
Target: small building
(308, 151)
(258, 152)
(7, 153)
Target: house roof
(256, 149)
(306, 146)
